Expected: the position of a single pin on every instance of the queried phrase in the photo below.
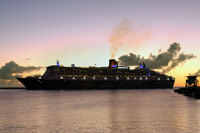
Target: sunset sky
(38, 32)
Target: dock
(191, 88)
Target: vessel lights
(167, 78)
(39, 77)
(61, 77)
(114, 66)
(105, 78)
(146, 78)
(93, 77)
(73, 77)
(135, 78)
(140, 78)
(58, 63)
(141, 66)
(158, 78)
(128, 78)
(117, 78)
(84, 77)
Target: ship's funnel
(113, 63)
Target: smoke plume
(164, 60)
(11, 70)
(124, 34)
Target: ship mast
(58, 63)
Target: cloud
(164, 60)
(10, 83)
(11, 70)
(196, 73)
(175, 62)
(124, 34)
(174, 48)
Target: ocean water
(98, 111)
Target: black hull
(56, 84)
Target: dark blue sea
(98, 111)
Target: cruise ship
(58, 77)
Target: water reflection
(98, 111)
(153, 111)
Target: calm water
(105, 111)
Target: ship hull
(57, 84)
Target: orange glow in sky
(80, 32)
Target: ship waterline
(111, 77)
